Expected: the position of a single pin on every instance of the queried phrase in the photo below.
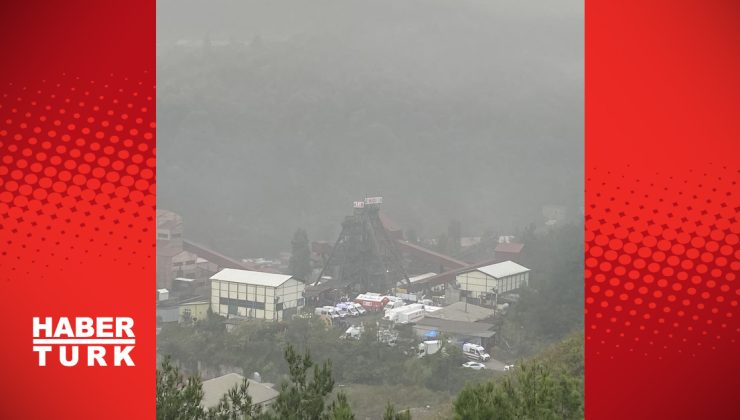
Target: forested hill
(450, 110)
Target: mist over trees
(300, 256)
(273, 115)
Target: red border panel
(77, 198)
(662, 226)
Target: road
(494, 364)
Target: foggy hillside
(274, 115)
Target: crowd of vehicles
(341, 310)
(397, 311)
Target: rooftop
(416, 278)
(473, 329)
(168, 219)
(459, 312)
(214, 389)
(374, 297)
(256, 278)
(503, 269)
(200, 302)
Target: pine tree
(177, 398)
(302, 398)
(340, 409)
(391, 414)
(534, 391)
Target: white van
(349, 308)
(359, 308)
(328, 311)
(475, 352)
(343, 313)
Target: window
(248, 304)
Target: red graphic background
(662, 228)
(77, 198)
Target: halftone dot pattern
(77, 168)
(662, 278)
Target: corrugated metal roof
(474, 329)
(421, 277)
(370, 297)
(503, 269)
(459, 311)
(257, 278)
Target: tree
(177, 398)
(391, 414)
(533, 392)
(236, 404)
(300, 257)
(340, 409)
(412, 236)
(302, 398)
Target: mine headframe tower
(365, 257)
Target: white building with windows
(484, 283)
(256, 295)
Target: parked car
(343, 313)
(474, 365)
(359, 308)
(347, 307)
(509, 367)
(330, 312)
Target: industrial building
(193, 311)
(482, 285)
(462, 311)
(255, 295)
(459, 331)
(178, 257)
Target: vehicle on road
(474, 365)
(475, 352)
(429, 347)
(354, 332)
(509, 367)
(327, 311)
(343, 313)
(346, 307)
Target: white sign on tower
(374, 200)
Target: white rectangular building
(256, 295)
(499, 278)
